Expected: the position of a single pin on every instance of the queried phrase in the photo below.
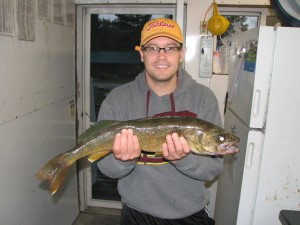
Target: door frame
(83, 77)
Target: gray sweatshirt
(169, 190)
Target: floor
(98, 216)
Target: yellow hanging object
(217, 24)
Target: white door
(279, 183)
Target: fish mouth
(225, 149)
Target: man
(169, 189)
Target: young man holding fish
(168, 189)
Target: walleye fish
(203, 138)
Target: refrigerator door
(279, 181)
(236, 193)
(249, 79)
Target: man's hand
(126, 146)
(175, 148)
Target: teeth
(162, 66)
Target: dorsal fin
(94, 129)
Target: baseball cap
(160, 27)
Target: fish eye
(221, 138)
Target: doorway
(106, 37)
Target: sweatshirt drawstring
(172, 104)
(148, 102)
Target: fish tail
(54, 172)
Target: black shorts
(133, 217)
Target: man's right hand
(126, 146)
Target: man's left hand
(175, 147)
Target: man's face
(162, 66)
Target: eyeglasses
(156, 50)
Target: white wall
(37, 91)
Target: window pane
(238, 23)
(113, 58)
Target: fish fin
(158, 154)
(98, 155)
(94, 129)
(54, 172)
(57, 181)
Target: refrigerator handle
(225, 103)
(256, 102)
(249, 156)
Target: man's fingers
(165, 151)
(136, 145)
(175, 147)
(126, 145)
(117, 144)
(186, 148)
(177, 144)
(170, 144)
(130, 142)
(123, 146)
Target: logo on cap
(161, 27)
(160, 23)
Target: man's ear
(142, 55)
(181, 55)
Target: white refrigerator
(263, 109)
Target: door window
(113, 62)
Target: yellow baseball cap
(160, 27)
